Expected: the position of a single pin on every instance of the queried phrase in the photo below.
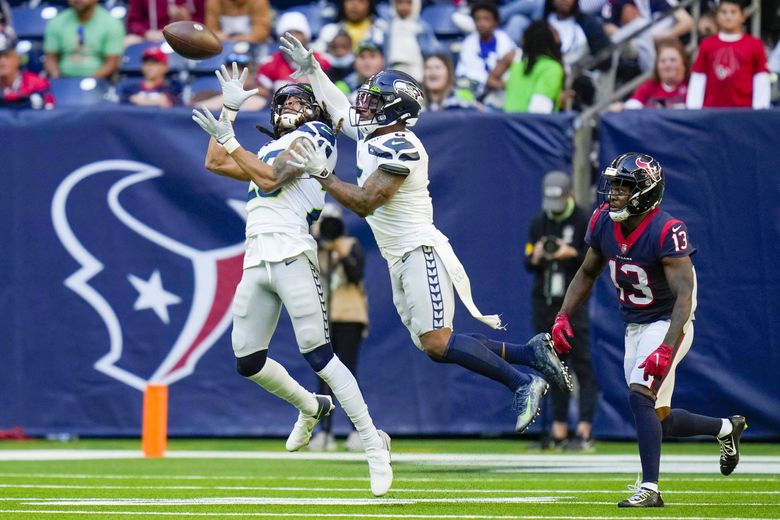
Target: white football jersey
(277, 225)
(405, 221)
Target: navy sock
(682, 423)
(515, 354)
(470, 353)
(648, 434)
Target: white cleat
(301, 432)
(379, 469)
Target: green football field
(438, 479)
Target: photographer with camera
(342, 266)
(556, 247)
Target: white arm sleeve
(335, 101)
(761, 90)
(540, 104)
(696, 86)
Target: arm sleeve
(696, 86)
(540, 104)
(334, 99)
(675, 240)
(592, 232)
(761, 90)
(640, 95)
(354, 263)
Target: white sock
(725, 428)
(274, 378)
(652, 486)
(345, 388)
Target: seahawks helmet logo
(413, 91)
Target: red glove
(560, 330)
(657, 363)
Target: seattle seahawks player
(280, 263)
(392, 194)
(649, 256)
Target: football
(192, 40)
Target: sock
(345, 388)
(513, 353)
(682, 423)
(652, 486)
(470, 353)
(725, 428)
(274, 378)
(648, 433)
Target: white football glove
(221, 129)
(299, 54)
(310, 159)
(233, 93)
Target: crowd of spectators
(505, 55)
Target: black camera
(331, 228)
(550, 245)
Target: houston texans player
(649, 256)
(280, 263)
(392, 194)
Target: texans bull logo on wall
(164, 303)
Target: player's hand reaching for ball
(309, 159)
(300, 55)
(221, 129)
(233, 93)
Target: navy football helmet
(386, 98)
(639, 172)
(310, 110)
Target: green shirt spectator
(84, 40)
(546, 79)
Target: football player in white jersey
(392, 194)
(280, 263)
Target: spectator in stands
(239, 20)
(408, 38)
(368, 61)
(83, 40)
(514, 15)
(340, 56)
(154, 90)
(441, 90)
(630, 15)
(580, 34)
(20, 89)
(669, 84)
(146, 18)
(359, 19)
(6, 27)
(731, 67)
(212, 99)
(535, 76)
(482, 49)
(276, 72)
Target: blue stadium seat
(384, 10)
(203, 67)
(439, 17)
(131, 59)
(31, 52)
(315, 14)
(30, 22)
(80, 92)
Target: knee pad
(250, 365)
(319, 357)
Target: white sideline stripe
(365, 515)
(99, 476)
(363, 489)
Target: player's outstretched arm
(219, 161)
(679, 275)
(327, 94)
(379, 187)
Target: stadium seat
(80, 92)
(384, 10)
(30, 22)
(317, 14)
(131, 60)
(31, 52)
(203, 67)
(205, 83)
(439, 17)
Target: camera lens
(550, 245)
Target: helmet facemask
(284, 120)
(367, 113)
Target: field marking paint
(284, 501)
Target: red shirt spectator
(150, 16)
(654, 94)
(20, 89)
(276, 72)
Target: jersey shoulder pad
(395, 147)
(320, 131)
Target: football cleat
(380, 470)
(528, 399)
(729, 445)
(353, 442)
(546, 361)
(301, 432)
(323, 441)
(642, 497)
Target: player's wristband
(230, 113)
(231, 145)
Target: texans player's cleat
(729, 445)
(380, 470)
(301, 432)
(528, 399)
(642, 497)
(546, 361)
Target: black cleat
(729, 445)
(546, 361)
(643, 498)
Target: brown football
(192, 40)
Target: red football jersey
(730, 67)
(653, 94)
